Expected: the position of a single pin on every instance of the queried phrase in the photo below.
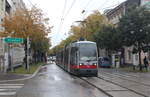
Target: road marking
(6, 90)
(7, 93)
(9, 89)
(11, 84)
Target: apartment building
(113, 16)
(7, 7)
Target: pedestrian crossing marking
(12, 84)
(9, 89)
(7, 93)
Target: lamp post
(26, 60)
(83, 33)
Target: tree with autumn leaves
(29, 23)
(86, 28)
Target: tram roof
(79, 42)
(85, 42)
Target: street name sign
(13, 40)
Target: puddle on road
(57, 78)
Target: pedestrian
(145, 63)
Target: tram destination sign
(13, 40)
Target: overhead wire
(65, 15)
(70, 8)
(106, 1)
(110, 7)
(83, 11)
(31, 3)
(73, 3)
(87, 4)
(62, 17)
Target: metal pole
(27, 54)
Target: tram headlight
(95, 64)
(81, 64)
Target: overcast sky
(62, 15)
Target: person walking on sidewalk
(145, 63)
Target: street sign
(13, 40)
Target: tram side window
(61, 57)
(73, 56)
(66, 56)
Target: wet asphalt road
(52, 81)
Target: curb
(22, 79)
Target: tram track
(107, 80)
(125, 74)
(125, 78)
(106, 92)
(100, 89)
(129, 75)
(111, 82)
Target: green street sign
(13, 40)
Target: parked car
(104, 62)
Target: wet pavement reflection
(52, 81)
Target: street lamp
(83, 33)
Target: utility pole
(27, 46)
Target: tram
(79, 58)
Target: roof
(124, 4)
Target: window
(73, 56)
(88, 52)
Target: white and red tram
(79, 58)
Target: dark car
(104, 62)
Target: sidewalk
(17, 77)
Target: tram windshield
(88, 52)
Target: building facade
(113, 16)
(8, 7)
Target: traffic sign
(13, 40)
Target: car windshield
(88, 52)
(106, 59)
